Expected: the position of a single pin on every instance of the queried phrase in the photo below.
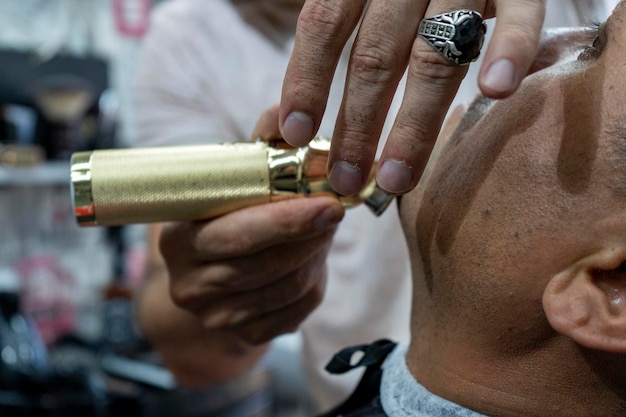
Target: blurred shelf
(47, 174)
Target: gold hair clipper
(144, 185)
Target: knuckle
(322, 18)
(291, 228)
(238, 243)
(357, 135)
(413, 131)
(301, 283)
(212, 323)
(182, 297)
(300, 226)
(373, 63)
(428, 66)
(308, 84)
(229, 242)
(186, 297)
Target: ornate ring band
(458, 35)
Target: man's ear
(587, 301)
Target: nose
(561, 45)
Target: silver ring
(458, 35)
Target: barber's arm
(218, 291)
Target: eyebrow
(598, 36)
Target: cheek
(485, 206)
(513, 227)
(492, 207)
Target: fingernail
(328, 218)
(345, 178)
(298, 129)
(501, 76)
(395, 177)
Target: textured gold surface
(82, 200)
(177, 183)
(143, 185)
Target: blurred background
(68, 343)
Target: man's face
(526, 185)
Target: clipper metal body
(144, 185)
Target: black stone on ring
(457, 35)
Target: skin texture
(518, 242)
(188, 317)
(519, 191)
(385, 47)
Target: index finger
(323, 30)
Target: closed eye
(597, 43)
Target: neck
(560, 379)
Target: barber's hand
(385, 45)
(257, 272)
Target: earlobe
(587, 302)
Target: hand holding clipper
(145, 185)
